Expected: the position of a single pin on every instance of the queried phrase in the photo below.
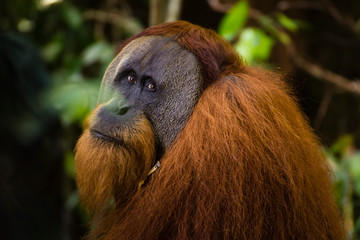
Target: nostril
(123, 110)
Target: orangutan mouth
(97, 134)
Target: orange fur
(246, 165)
(105, 170)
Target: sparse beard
(106, 170)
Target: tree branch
(173, 10)
(127, 23)
(218, 6)
(324, 106)
(287, 5)
(156, 12)
(322, 73)
(344, 20)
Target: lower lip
(98, 134)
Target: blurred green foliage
(345, 163)
(254, 45)
(234, 20)
(75, 58)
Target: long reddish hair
(245, 166)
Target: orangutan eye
(151, 86)
(131, 78)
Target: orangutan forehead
(154, 54)
(144, 45)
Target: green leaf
(72, 201)
(51, 51)
(332, 160)
(26, 25)
(72, 16)
(287, 23)
(340, 146)
(69, 164)
(270, 26)
(254, 45)
(98, 51)
(234, 20)
(74, 100)
(354, 169)
(356, 229)
(283, 37)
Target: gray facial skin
(127, 89)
